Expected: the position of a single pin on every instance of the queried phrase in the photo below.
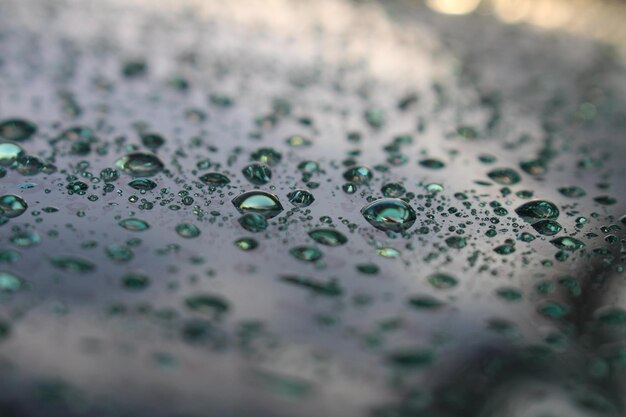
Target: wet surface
(192, 213)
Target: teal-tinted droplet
(301, 198)
(504, 176)
(17, 130)
(142, 184)
(253, 222)
(306, 253)
(257, 173)
(187, 230)
(389, 214)
(538, 209)
(140, 164)
(358, 175)
(9, 152)
(135, 225)
(328, 237)
(12, 206)
(215, 179)
(567, 243)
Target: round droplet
(257, 173)
(553, 310)
(140, 164)
(9, 152)
(135, 225)
(389, 214)
(259, 202)
(328, 237)
(504, 176)
(17, 130)
(187, 230)
(301, 198)
(109, 174)
(538, 209)
(12, 206)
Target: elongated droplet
(328, 237)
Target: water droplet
(301, 198)
(187, 230)
(425, 302)
(10, 282)
(434, 187)
(257, 173)
(456, 242)
(152, 141)
(267, 156)
(246, 243)
(135, 281)
(393, 190)
(12, 206)
(135, 225)
(298, 141)
(253, 222)
(9, 152)
(208, 305)
(140, 164)
(17, 130)
(72, 264)
(358, 175)
(330, 288)
(572, 191)
(605, 200)
(25, 238)
(504, 176)
(442, 281)
(567, 243)
(109, 174)
(505, 249)
(375, 117)
(306, 253)
(538, 209)
(389, 214)
(328, 237)
(432, 163)
(259, 202)
(388, 252)
(547, 227)
(215, 179)
(553, 310)
(142, 184)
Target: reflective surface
(192, 223)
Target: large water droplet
(260, 202)
(358, 175)
(538, 209)
(504, 176)
(9, 152)
(17, 130)
(389, 214)
(257, 173)
(140, 164)
(12, 206)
